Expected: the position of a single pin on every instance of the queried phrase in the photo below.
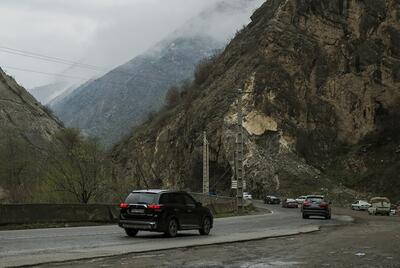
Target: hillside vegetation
(40, 160)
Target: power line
(43, 57)
(62, 75)
(49, 58)
(39, 72)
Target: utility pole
(239, 154)
(206, 167)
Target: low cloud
(104, 33)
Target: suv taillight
(152, 206)
(155, 207)
(306, 203)
(323, 205)
(123, 205)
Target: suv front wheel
(205, 227)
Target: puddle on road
(360, 254)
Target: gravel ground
(371, 241)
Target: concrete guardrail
(102, 213)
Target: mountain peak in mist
(111, 105)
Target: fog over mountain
(104, 33)
(45, 94)
(110, 106)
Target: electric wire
(43, 57)
(45, 73)
(24, 53)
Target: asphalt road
(25, 247)
(369, 242)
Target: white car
(247, 196)
(360, 205)
(301, 199)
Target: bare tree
(78, 167)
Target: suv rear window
(315, 198)
(142, 198)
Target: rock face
(112, 105)
(23, 117)
(321, 95)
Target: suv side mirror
(199, 204)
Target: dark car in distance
(163, 211)
(273, 200)
(316, 205)
(290, 203)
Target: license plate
(136, 210)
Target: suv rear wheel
(131, 232)
(206, 226)
(172, 228)
(305, 216)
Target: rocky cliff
(321, 94)
(23, 117)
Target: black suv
(163, 211)
(316, 205)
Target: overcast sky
(104, 33)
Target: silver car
(360, 205)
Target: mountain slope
(110, 106)
(321, 82)
(23, 116)
(45, 94)
(27, 132)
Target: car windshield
(315, 199)
(141, 198)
